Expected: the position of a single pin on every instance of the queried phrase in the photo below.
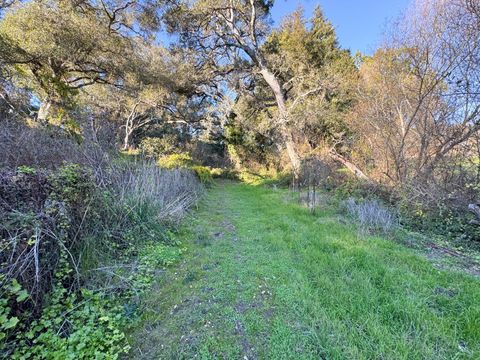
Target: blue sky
(359, 24)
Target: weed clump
(370, 215)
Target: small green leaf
(15, 287)
(11, 323)
(22, 296)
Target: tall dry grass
(142, 185)
(371, 215)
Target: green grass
(263, 278)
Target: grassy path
(264, 279)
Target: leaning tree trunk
(287, 137)
(274, 84)
(349, 165)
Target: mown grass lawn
(265, 279)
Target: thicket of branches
(417, 114)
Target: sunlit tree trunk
(287, 137)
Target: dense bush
(453, 223)
(173, 161)
(40, 213)
(155, 147)
(432, 210)
(204, 174)
(69, 241)
(225, 173)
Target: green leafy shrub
(72, 326)
(216, 172)
(224, 173)
(156, 147)
(204, 174)
(154, 255)
(72, 183)
(173, 161)
(451, 223)
(12, 295)
(26, 170)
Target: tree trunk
(44, 110)
(292, 152)
(287, 137)
(349, 165)
(126, 139)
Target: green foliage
(251, 178)
(73, 327)
(72, 184)
(156, 255)
(50, 44)
(281, 178)
(309, 51)
(63, 322)
(204, 173)
(265, 177)
(153, 256)
(321, 80)
(173, 161)
(156, 147)
(452, 225)
(12, 294)
(224, 173)
(28, 170)
(84, 324)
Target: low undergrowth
(78, 251)
(446, 221)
